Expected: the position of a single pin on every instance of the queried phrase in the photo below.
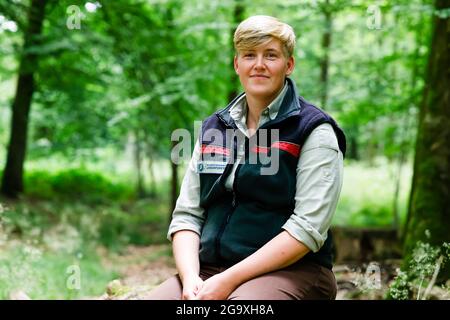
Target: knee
(171, 289)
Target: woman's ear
(290, 65)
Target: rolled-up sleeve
(319, 183)
(188, 215)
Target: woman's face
(262, 70)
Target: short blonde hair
(258, 30)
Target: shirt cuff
(304, 233)
(184, 222)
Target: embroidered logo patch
(214, 167)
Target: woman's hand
(191, 287)
(218, 287)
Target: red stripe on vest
(215, 149)
(290, 147)
(259, 149)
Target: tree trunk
(325, 62)
(173, 185)
(12, 181)
(238, 16)
(408, 125)
(151, 171)
(353, 150)
(138, 164)
(152, 178)
(428, 208)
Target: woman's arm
(185, 246)
(185, 227)
(185, 251)
(278, 253)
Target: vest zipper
(223, 226)
(233, 205)
(233, 201)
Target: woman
(240, 232)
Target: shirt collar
(238, 110)
(274, 106)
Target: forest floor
(136, 270)
(143, 268)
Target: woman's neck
(255, 108)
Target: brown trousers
(302, 280)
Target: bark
(325, 61)
(352, 131)
(428, 208)
(151, 170)
(138, 165)
(238, 16)
(173, 185)
(12, 180)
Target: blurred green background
(113, 79)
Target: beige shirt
(319, 181)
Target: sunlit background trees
(90, 93)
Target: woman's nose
(259, 62)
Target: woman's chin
(259, 93)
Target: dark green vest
(241, 221)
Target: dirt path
(145, 265)
(140, 270)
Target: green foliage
(369, 214)
(171, 65)
(137, 70)
(76, 184)
(416, 281)
(111, 225)
(44, 275)
(40, 246)
(41, 240)
(142, 223)
(367, 196)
